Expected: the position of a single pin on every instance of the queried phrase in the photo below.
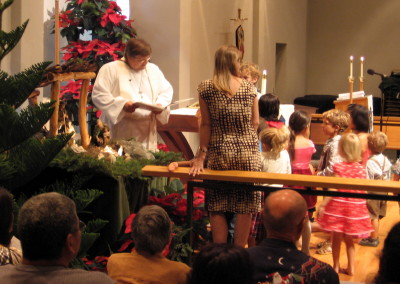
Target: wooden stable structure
(55, 80)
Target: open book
(153, 107)
(150, 107)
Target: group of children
(354, 154)
(358, 154)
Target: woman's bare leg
(219, 227)
(242, 229)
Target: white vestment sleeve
(106, 96)
(162, 89)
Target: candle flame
(362, 58)
(351, 57)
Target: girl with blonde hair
(347, 218)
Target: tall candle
(351, 66)
(362, 66)
(264, 82)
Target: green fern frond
(164, 158)
(16, 128)
(95, 225)
(5, 5)
(6, 168)
(31, 157)
(87, 241)
(73, 162)
(9, 40)
(83, 198)
(15, 90)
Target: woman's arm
(205, 130)
(255, 118)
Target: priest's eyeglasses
(141, 59)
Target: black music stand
(390, 96)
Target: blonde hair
(337, 118)
(377, 142)
(225, 59)
(350, 147)
(275, 138)
(250, 68)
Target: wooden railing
(252, 180)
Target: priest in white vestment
(122, 83)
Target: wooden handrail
(270, 178)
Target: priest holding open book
(133, 95)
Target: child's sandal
(327, 249)
(323, 244)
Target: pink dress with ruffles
(347, 215)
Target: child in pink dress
(347, 218)
(301, 149)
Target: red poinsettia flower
(114, 6)
(111, 16)
(197, 214)
(125, 245)
(180, 209)
(98, 113)
(128, 223)
(162, 147)
(73, 87)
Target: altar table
(186, 120)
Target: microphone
(372, 72)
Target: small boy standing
(334, 122)
(250, 72)
(378, 167)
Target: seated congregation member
(221, 263)
(277, 258)
(50, 234)
(390, 261)
(8, 254)
(151, 232)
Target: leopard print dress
(233, 145)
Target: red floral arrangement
(176, 205)
(174, 200)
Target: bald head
(284, 212)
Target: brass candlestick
(351, 84)
(361, 83)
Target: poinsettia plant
(102, 17)
(94, 51)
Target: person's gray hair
(44, 222)
(151, 229)
(137, 47)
